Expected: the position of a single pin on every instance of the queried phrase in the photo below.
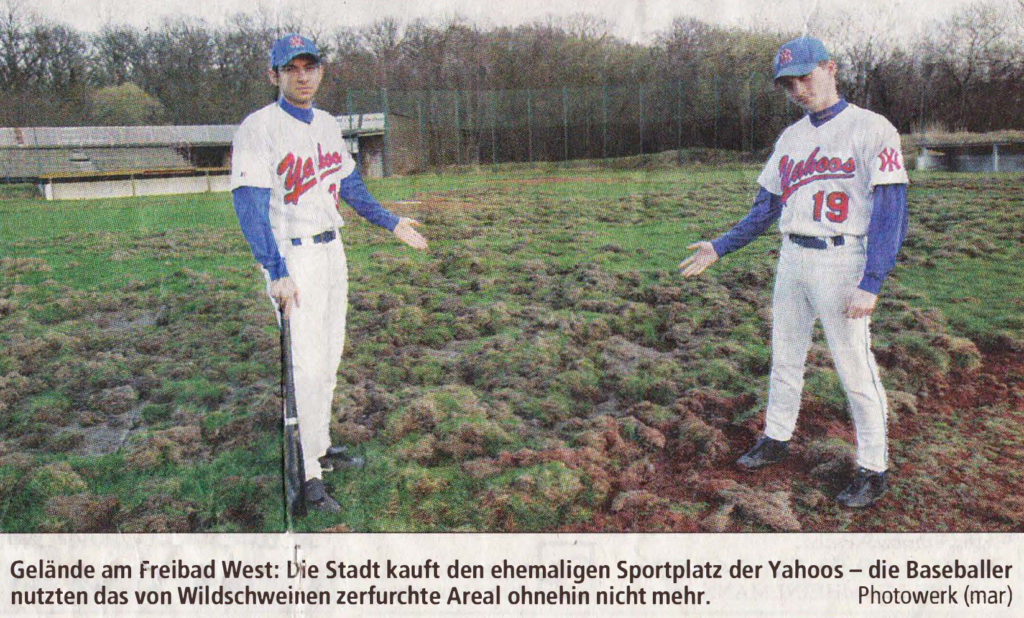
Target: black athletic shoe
(765, 452)
(867, 487)
(318, 499)
(338, 457)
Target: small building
(31, 153)
(95, 162)
(383, 150)
(981, 152)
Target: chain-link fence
(447, 127)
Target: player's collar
(305, 114)
(821, 117)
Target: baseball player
(836, 184)
(289, 168)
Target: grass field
(542, 367)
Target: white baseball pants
(817, 283)
(320, 271)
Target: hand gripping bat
(294, 468)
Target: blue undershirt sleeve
(886, 232)
(354, 192)
(766, 210)
(252, 207)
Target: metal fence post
(752, 112)
(529, 122)
(744, 118)
(458, 131)
(348, 112)
(494, 130)
(679, 121)
(604, 121)
(640, 91)
(435, 154)
(387, 135)
(565, 121)
(717, 95)
(921, 114)
(423, 134)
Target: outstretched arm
(766, 210)
(354, 192)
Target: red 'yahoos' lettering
(299, 176)
(795, 174)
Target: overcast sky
(634, 20)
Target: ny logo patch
(890, 160)
(785, 56)
(295, 41)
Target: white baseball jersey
(825, 174)
(300, 163)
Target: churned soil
(958, 485)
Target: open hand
(407, 234)
(696, 264)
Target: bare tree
(241, 62)
(965, 51)
(65, 68)
(861, 41)
(43, 71)
(16, 22)
(586, 27)
(116, 52)
(383, 39)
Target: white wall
(98, 189)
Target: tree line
(965, 71)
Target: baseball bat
(294, 467)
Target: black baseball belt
(319, 239)
(817, 242)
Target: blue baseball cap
(798, 57)
(289, 46)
